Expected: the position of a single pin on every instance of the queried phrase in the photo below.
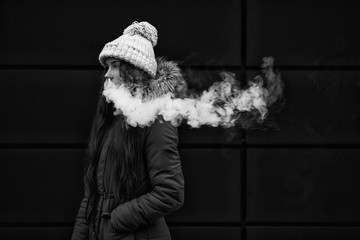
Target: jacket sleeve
(166, 179)
(81, 228)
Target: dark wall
(300, 182)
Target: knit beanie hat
(134, 46)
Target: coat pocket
(113, 234)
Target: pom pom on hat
(144, 29)
(134, 46)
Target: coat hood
(168, 79)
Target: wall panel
(41, 185)
(212, 192)
(35, 233)
(208, 233)
(322, 107)
(316, 33)
(303, 233)
(303, 185)
(47, 106)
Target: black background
(300, 182)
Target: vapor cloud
(220, 105)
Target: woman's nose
(108, 73)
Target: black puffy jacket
(142, 217)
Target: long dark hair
(126, 149)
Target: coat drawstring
(98, 218)
(103, 196)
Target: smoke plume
(223, 104)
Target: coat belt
(106, 195)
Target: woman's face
(113, 71)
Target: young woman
(133, 175)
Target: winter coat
(142, 217)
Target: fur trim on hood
(168, 78)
